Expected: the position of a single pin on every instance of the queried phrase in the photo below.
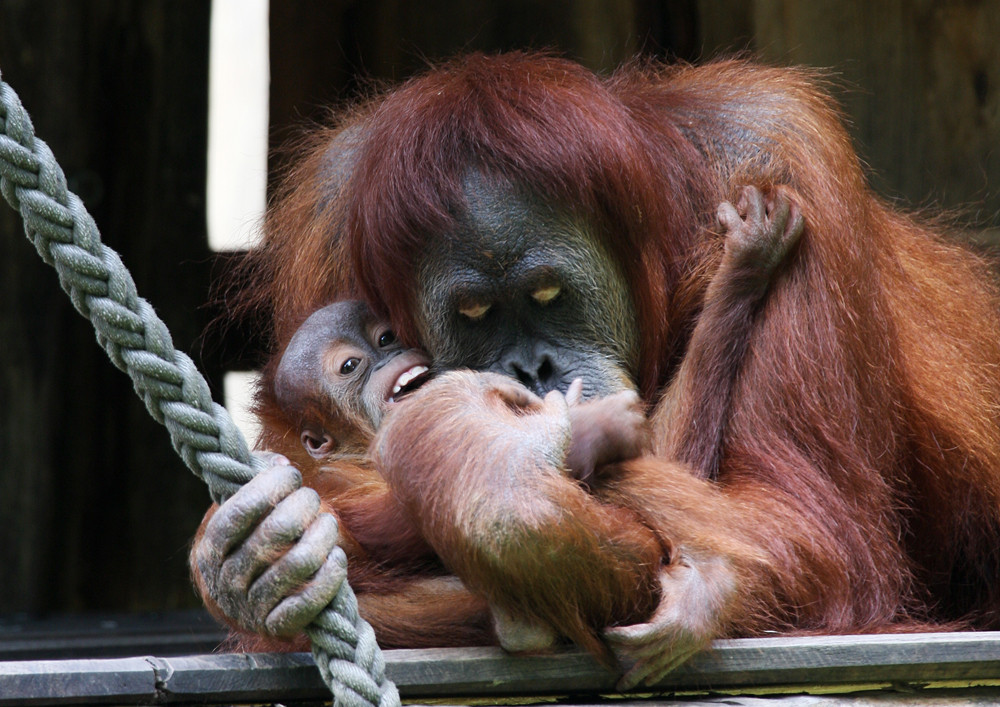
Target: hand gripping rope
(175, 393)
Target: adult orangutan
(565, 563)
(521, 215)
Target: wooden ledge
(897, 664)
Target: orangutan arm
(690, 422)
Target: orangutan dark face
(523, 290)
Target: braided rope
(175, 393)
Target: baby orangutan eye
(386, 338)
(350, 365)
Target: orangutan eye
(349, 366)
(544, 295)
(388, 337)
(474, 310)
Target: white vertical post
(239, 78)
(238, 86)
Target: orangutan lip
(408, 381)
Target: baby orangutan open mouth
(408, 381)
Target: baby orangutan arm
(503, 514)
(604, 430)
(690, 422)
(698, 584)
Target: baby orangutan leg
(691, 594)
(267, 558)
(520, 635)
(716, 575)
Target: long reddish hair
(545, 125)
(864, 440)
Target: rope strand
(176, 395)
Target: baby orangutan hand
(604, 430)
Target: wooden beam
(146, 680)
(832, 663)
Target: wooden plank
(238, 678)
(745, 665)
(148, 680)
(58, 682)
(739, 663)
(937, 698)
(838, 660)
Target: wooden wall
(95, 511)
(920, 81)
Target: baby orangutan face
(341, 372)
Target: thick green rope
(175, 393)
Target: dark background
(96, 512)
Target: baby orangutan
(344, 370)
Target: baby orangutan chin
(344, 371)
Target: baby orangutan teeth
(407, 377)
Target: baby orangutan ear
(318, 443)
